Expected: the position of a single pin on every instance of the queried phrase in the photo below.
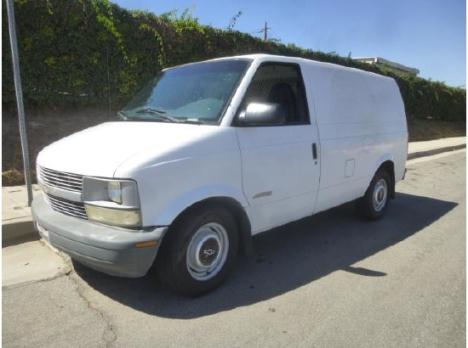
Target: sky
(425, 34)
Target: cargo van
(209, 154)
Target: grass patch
(12, 177)
(420, 130)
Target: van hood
(100, 150)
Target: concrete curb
(18, 232)
(17, 222)
(435, 151)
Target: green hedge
(88, 52)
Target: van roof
(299, 60)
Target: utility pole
(265, 32)
(19, 97)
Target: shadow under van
(286, 258)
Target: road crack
(109, 335)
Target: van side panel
(361, 123)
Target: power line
(264, 30)
(271, 36)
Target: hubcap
(379, 196)
(207, 251)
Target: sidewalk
(432, 147)
(31, 261)
(16, 216)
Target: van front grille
(67, 207)
(63, 180)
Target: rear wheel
(199, 251)
(374, 203)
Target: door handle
(314, 151)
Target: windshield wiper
(160, 113)
(122, 115)
(160, 116)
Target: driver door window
(281, 84)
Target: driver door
(280, 164)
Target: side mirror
(262, 114)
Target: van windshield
(193, 93)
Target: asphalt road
(331, 280)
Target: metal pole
(108, 81)
(19, 97)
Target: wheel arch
(235, 208)
(389, 166)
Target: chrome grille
(67, 207)
(66, 181)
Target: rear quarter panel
(362, 123)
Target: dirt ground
(420, 130)
(46, 127)
(43, 129)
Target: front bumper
(107, 249)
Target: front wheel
(374, 203)
(198, 251)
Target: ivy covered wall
(94, 53)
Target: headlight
(112, 216)
(113, 202)
(114, 190)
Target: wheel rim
(207, 251)
(379, 197)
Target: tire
(375, 202)
(199, 251)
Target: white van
(212, 153)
